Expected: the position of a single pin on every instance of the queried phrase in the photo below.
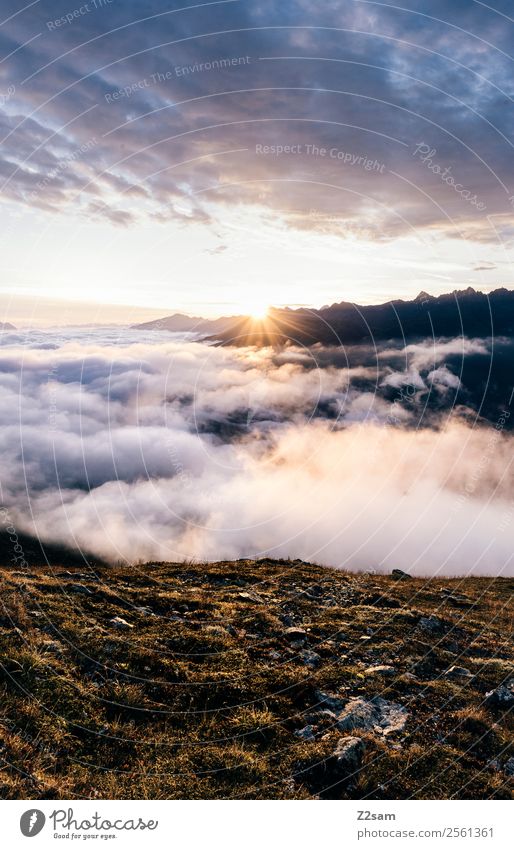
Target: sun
(258, 310)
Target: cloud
(172, 449)
(366, 82)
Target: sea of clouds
(154, 446)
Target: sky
(217, 157)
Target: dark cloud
(167, 93)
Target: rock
(296, 635)
(358, 713)
(306, 733)
(79, 589)
(387, 671)
(145, 611)
(321, 716)
(348, 755)
(502, 696)
(329, 701)
(120, 624)
(509, 767)
(400, 575)
(393, 716)
(310, 658)
(456, 600)
(251, 596)
(374, 715)
(432, 624)
(380, 600)
(458, 673)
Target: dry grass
(202, 697)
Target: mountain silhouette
(458, 313)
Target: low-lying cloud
(173, 449)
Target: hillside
(268, 679)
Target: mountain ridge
(454, 314)
(462, 312)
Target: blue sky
(212, 157)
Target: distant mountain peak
(463, 293)
(424, 296)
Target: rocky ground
(267, 679)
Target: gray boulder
(400, 575)
(329, 701)
(377, 715)
(458, 673)
(502, 696)
(431, 624)
(348, 755)
(306, 734)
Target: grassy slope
(203, 698)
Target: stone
(348, 755)
(329, 701)
(502, 696)
(306, 733)
(310, 658)
(251, 596)
(393, 716)
(386, 671)
(400, 575)
(432, 624)
(457, 600)
(145, 611)
(120, 624)
(377, 714)
(458, 673)
(358, 713)
(295, 635)
(321, 716)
